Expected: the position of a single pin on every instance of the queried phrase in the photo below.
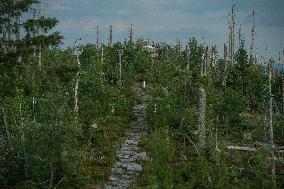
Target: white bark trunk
(97, 37)
(225, 64)
(283, 95)
(23, 139)
(39, 57)
(271, 120)
(216, 134)
(110, 35)
(242, 148)
(76, 108)
(6, 128)
(18, 36)
(102, 54)
(201, 118)
(144, 85)
(251, 148)
(76, 96)
(51, 175)
(120, 69)
(60, 181)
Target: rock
(131, 142)
(94, 125)
(117, 170)
(125, 152)
(113, 178)
(143, 156)
(125, 171)
(127, 160)
(134, 167)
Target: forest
(69, 117)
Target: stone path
(126, 170)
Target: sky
(167, 20)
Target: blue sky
(165, 20)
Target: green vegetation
(236, 113)
(46, 143)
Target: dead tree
(178, 47)
(225, 64)
(77, 53)
(232, 34)
(213, 56)
(283, 86)
(6, 129)
(206, 59)
(131, 34)
(120, 67)
(102, 54)
(18, 35)
(22, 121)
(240, 35)
(272, 146)
(39, 14)
(98, 39)
(252, 47)
(201, 118)
(110, 36)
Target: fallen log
(254, 147)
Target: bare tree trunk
(230, 39)
(131, 33)
(240, 35)
(252, 48)
(225, 64)
(18, 32)
(216, 134)
(271, 121)
(120, 67)
(283, 95)
(78, 53)
(233, 34)
(102, 62)
(201, 118)
(18, 37)
(6, 128)
(97, 37)
(102, 58)
(60, 181)
(110, 36)
(202, 67)
(187, 56)
(51, 175)
(9, 33)
(76, 109)
(23, 139)
(206, 67)
(213, 56)
(39, 57)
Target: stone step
(125, 171)
(127, 160)
(123, 152)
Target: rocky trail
(126, 170)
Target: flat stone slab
(125, 171)
(134, 167)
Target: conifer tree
(35, 30)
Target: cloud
(88, 25)
(58, 7)
(167, 19)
